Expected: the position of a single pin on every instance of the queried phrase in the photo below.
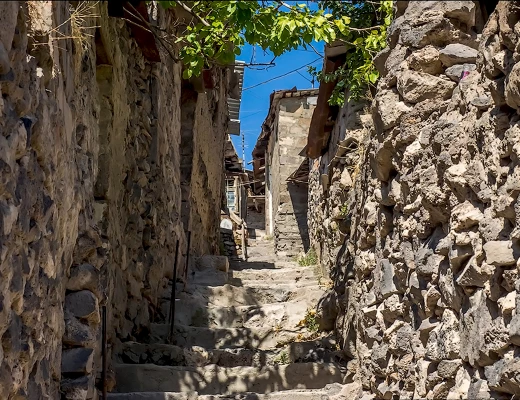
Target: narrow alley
(245, 332)
(259, 200)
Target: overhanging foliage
(220, 28)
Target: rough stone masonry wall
(428, 287)
(331, 178)
(290, 198)
(89, 192)
(207, 168)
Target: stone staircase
(238, 335)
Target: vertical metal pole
(187, 261)
(172, 299)
(243, 151)
(245, 245)
(243, 239)
(104, 352)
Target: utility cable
(304, 77)
(250, 115)
(281, 76)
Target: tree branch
(149, 29)
(283, 3)
(202, 20)
(364, 29)
(316, 51)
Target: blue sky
(255, 101)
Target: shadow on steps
(213, 379)
(259, 265)
(235, 346)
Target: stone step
(277, 315)
(283, 395)
(153, 396)
(330, 392)
(195, 356)
(247, 276)
(213, 379)
(231, 338)
(322, 350)
(194, 311)
(228, 295)
(208, 278)
(282, 275)
(258, 292)
(263, 263)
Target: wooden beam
(318, 137)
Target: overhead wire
(281, 76)
(304, 77)
(250, 115)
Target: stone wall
(289, 199)
(90, 198)
(331, 178)
(203, 163)
(427, 285)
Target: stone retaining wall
(90, 197)
(427, 286)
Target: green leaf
(320, 20)
(231, 8)
(232, 23)
(187, 74)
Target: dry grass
(82, 23)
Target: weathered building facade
(101, 145)
(236, 182)
(234, 211)
(276, 157)
(426, 287)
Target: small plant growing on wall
(282, 358)
(343, 211)
(308, 259)
(310, 321)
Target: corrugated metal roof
(234, 104)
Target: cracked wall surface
(426, 289)
(90, 197)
